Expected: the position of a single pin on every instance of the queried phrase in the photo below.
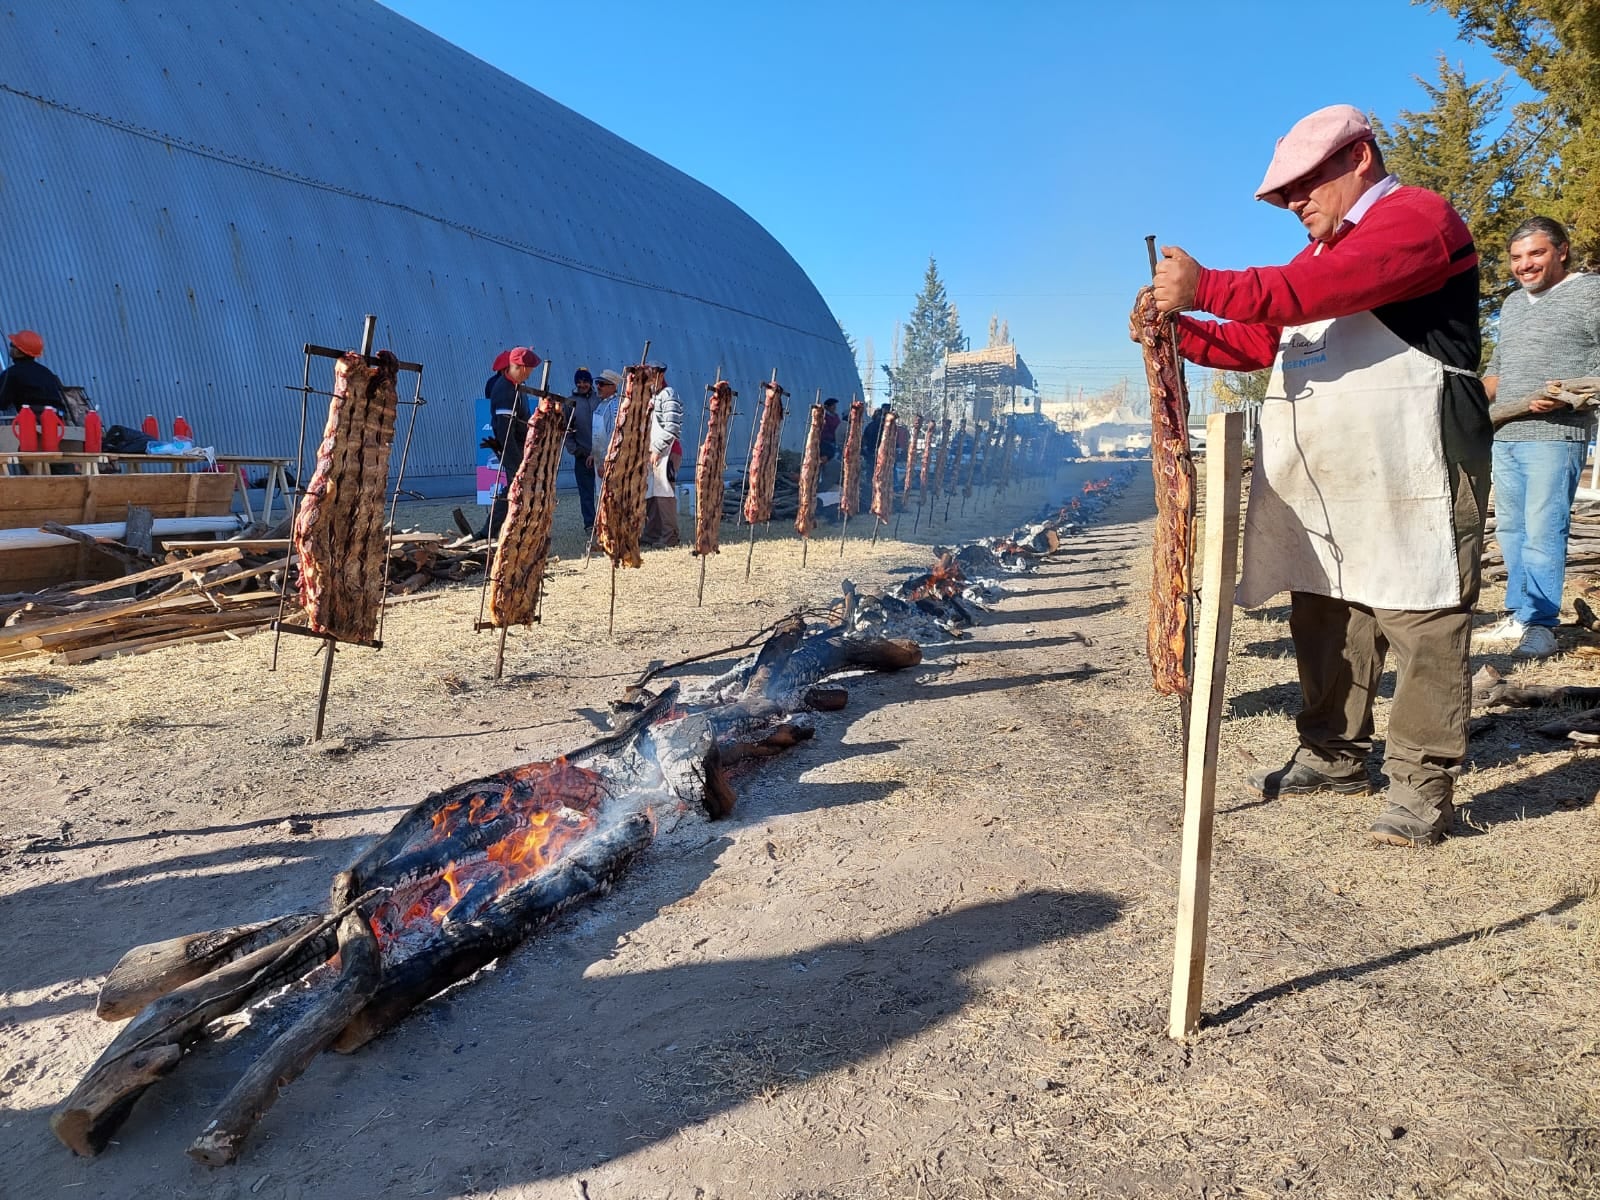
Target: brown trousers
(661, 520)
(1341, 648)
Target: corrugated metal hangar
(193, 189)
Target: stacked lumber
(86, 623)
(1583, 544)
(204, 591)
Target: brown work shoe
(1296, 778)
(1399, 826)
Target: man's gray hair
(1548, 226)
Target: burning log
(247, 1102)
(147, 973)
(517, 577)
(708, 469)
(339, 531)
(1170, 461)
(883, 471)
(619, 519)
(762, 473)
(805, 517)
(463, 877)
(153, 1042)
(850, 472)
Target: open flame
(489, 843)
(946, 579)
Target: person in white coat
(661, 498)
(608, 388)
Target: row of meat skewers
(516, 578)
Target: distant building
(985, 382)
(195, 189)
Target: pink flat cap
(1310, 143)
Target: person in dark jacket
(508, 413)
(871, 434)
(28, 383)
(580, 443)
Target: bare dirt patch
(928, 956)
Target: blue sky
(1028, 146)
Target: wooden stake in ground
(942, 467)
(850, 469)
(922, 482)
(911, 460)
(978, 436)
(1224, 459)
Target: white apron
(656, 485)
(1350, 495)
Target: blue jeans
(583, 476)
(1534, 483)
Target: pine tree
(1448, 148)
(933, 330)
(1555, 46)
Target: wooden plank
(199, 562)
(142, 646)
(19, 634)
(1219, 573)
(149, 625)
(271, 545)
(47, 566)
(138, 535)
(28, 501)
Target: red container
(92, 432)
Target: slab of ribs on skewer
(805, 518)
(339, 532)
(620, 521)
(518, 576)
(850, 473)
(883, 471)
(713, 460)
(761, 474)
(1173, 467)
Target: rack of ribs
(339, 532)
(519, 560)
(619, 521)
(708, 469)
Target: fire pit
(471, 871)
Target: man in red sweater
(1372, 467)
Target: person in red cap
(28, 383)
(1371, 472)
(508, 413)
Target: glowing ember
(489, 843)
(945, 579)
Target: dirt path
(928, 957)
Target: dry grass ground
(928, 956)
